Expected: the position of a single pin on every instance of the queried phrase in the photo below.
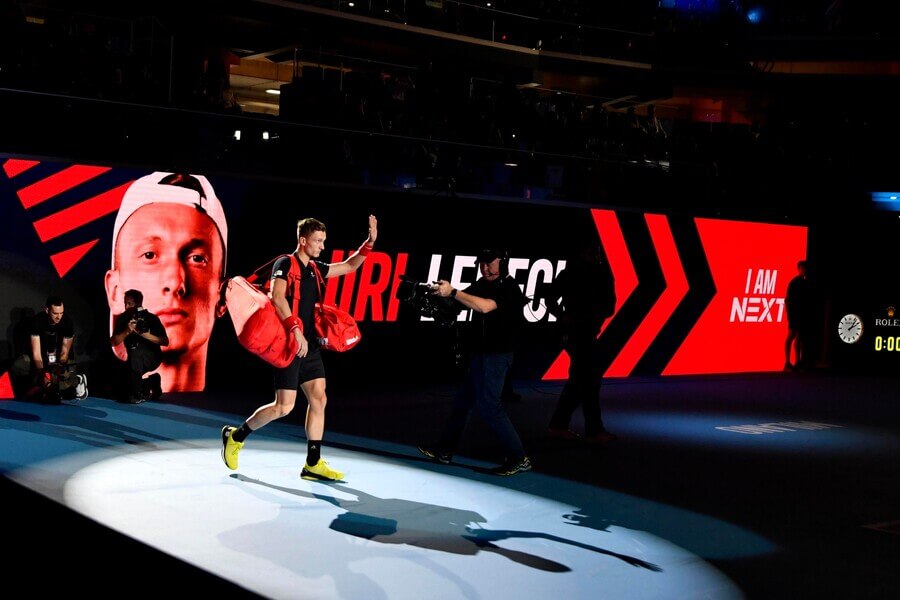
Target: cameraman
(496, 302)
(143, 335)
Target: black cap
(486, 255)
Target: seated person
(143, 336)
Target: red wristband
(291, 323)
(365, 248)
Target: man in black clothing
(801, 319)
(52, 335)
(144, 336)
(582, 297)
(496, 302)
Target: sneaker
(513, 466)
(562, 434)
(81, 390)
(230, 448)
(320, 472)
(155, 386)
(601, 438)
(441, 457)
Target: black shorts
(300, 371)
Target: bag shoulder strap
(257, 273)
(319, 280)
(295, 274)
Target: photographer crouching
(496, 302)
(143, 335)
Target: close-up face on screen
(174, 255)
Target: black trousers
(582, 388)
(141, 360)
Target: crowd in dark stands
(435, 124)
(627, 29)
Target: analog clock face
(850, 328)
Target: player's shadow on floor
(435, 527)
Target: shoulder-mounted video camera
(421, 297)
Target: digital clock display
(887, 343)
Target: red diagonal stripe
(80, 214)
(665, 305)
(331, 285)
(616, 250)
(14, 166)
(65, 260)
(6, 389)
(49, 187)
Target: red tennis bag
(336, 329)
(257, 324)
(261, 331)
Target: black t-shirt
(799, 302)
(587, 294)
(309, 292)
(52, 334)
(497, 331)
(133, 340)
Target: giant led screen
(693, 295)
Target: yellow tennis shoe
(230, 448)
(320, 472)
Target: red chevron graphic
(675, 291)
(617, 253)
(65, 260)
(58, 183)
(737, 252)
(6, 390)
(80, 214)
(14, 166)
(616, 250)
